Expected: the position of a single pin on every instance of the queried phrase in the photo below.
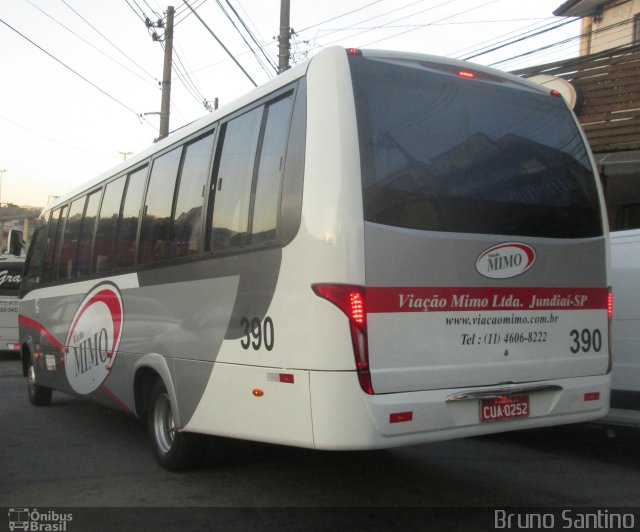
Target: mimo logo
(93, 339)
(505, 260)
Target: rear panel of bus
(480, 300)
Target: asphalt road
(74, 455)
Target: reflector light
(400, 417)
(286, 377)
(466, 74)
(592, 396)
(351, 300)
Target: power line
(86, 41)
(565, 41)
(50, 139)
(496, 39)
(344, 15)
(564, 23)
(221, 44)
(108, 40)
(431, 23)
(253, 37)
(355, 24)
(184, 9)
(141, 17)
(70, 69)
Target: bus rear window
(443, 153)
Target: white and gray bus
(374, 249)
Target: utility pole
(284, 37)
(165, 107)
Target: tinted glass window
(105, 245)
(443, 153)
(50, 254)
(187, 225)
(128, 226)
(69, 247)
(234, 181)
(270, 170)
(35, 257)
(86, 234)
(154, 236)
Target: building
(606, 24)
(606, 81)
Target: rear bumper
(346, 418)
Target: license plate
(506, 407)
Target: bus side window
(270, 171)
(234, 180)
(85, 238)
(187, 220)
(69, 244)
(128, 226)
(49, 270)
(35, 259)
(105, 244)
(156, 219)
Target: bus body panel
(396, 419)
(457, 328)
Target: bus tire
(38, 395)
(174, 450)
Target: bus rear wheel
(38, 395)
(174, 450)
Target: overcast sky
(76, 74)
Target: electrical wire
(355, 24)
(253, 52)
(221, 44)
(113, 98)
(430, 23)
(141, 17)
(252, 36)
(618, 25)
(108, 40)
(504, 38)
(184, 10)
(344, 15)
(50, 139)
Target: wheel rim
(31, 379)
(163, 424)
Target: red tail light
(351, 300)
(466, 74)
